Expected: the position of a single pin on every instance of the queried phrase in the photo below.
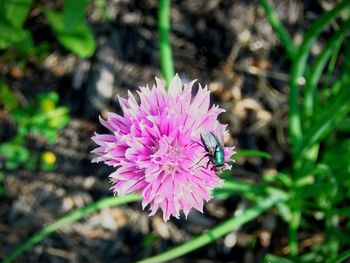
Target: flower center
(168, 168)
(175, 151)
(166, 155)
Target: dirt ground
(228, 45)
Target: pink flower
(155, 147)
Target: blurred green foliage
(2, 190)
(69, 26)
(42, 118)
(101, 10)
(12, 16)
(8, 98)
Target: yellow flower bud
(48, 157)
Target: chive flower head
(156, 148)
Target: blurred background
(63, 63)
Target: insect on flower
(215, 151)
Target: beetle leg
(210, 160)
(198, 143)
(206, 155)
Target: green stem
(333, 241)
(211, 235)
(278, 27)
(166, 54)
(68, 219)
(251, 153)
(293, 233)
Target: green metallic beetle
(215, 151)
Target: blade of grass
(251, 153)
(332, 63)
(293, 226)
(297, 71)
(341, 258)
(166, 54)
(68, 219)
(318, 67)
(278, 27)
(211, 235)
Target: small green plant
(43, 118)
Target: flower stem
(293, 233)
(68, 219)
(166, 54)
(281, 32)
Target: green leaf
(10, 35)
(50, 135)
(313, 190)
(283, 179)
(13, 154)
(80, 40)
(7, 97)
(15, 11)
(251, 153)
(31, 164)
(284, 211)
(344, 126)
(74, 14)
(337, 158)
